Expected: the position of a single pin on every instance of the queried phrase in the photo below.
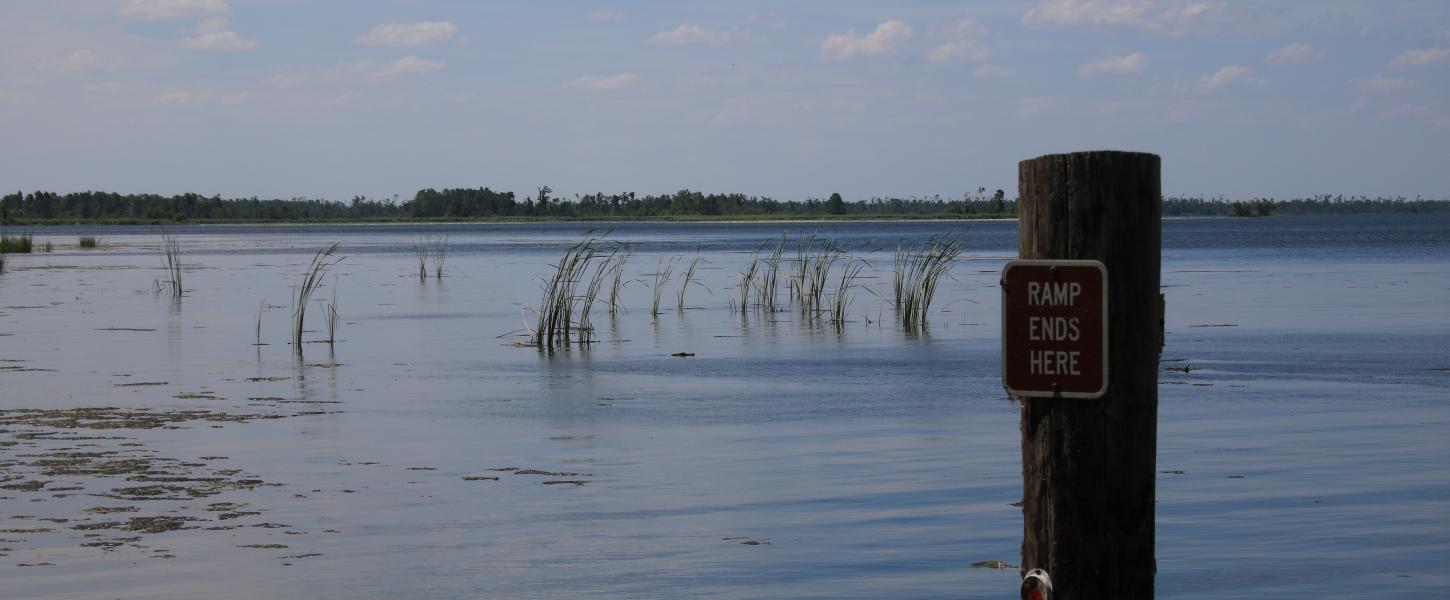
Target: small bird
(1036, 585)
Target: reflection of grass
(87, 241)
(311, 280)
(17, 244)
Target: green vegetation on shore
(484, 204)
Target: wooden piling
(1088, 466)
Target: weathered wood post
(1088, 466)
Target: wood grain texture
(1089, 466)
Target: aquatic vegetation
(329, 313)
(430, 250)
(17, 244)
(554, 325)
(916, 275)
(311, 280)
(662, 276)
(47, 247)
(686, 281)
(842, 299)
(770, 279)
(617, 283)
(747, 279)
(87, 241)
(260, 308)
(171, 260)
(591, 295)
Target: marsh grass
(689, 277)
(47, 247)
(591, 295)
(766, 291)
(617, 282)
(440, 252)
(171, 260)
(16, 244)
(87, 241)
(329, 314)
(747, 280)
(842, 300)
(554, 325)
(661, 276)
(311, 280)
(916, 273)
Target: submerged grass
(311, 280)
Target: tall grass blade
(311, 280)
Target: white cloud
(80, 61)
(1419, 58)
(1228, 75)
(376, 72)
(212, 24)
(881, 42)
(604, 15)
(1294, 54)
(1172, 17)
(966, 49)
(604, 82)
(1132, 64)
(408, 34)
(1383, 83)
(692, 35)
(159, 10)
(1406, 111)
(960, 43)
(219, 40)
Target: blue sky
(792, 99)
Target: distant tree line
(485, 203)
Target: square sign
(1055, 328)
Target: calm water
(1306, 452)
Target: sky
(790, 99)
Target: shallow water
(1304, 452)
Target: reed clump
(662, 274)
(841, 302)
(916, 273)
(555, 322)
(616, 278)
(311, 280)
(171, 260)
(16, 244)
(88, 241)
(431, 251)
(686, 280)
(767, 290)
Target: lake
(150, 447)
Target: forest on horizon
(488, 204)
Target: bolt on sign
(1055, 328)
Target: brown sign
(1055, 328)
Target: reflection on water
(1302, 439)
